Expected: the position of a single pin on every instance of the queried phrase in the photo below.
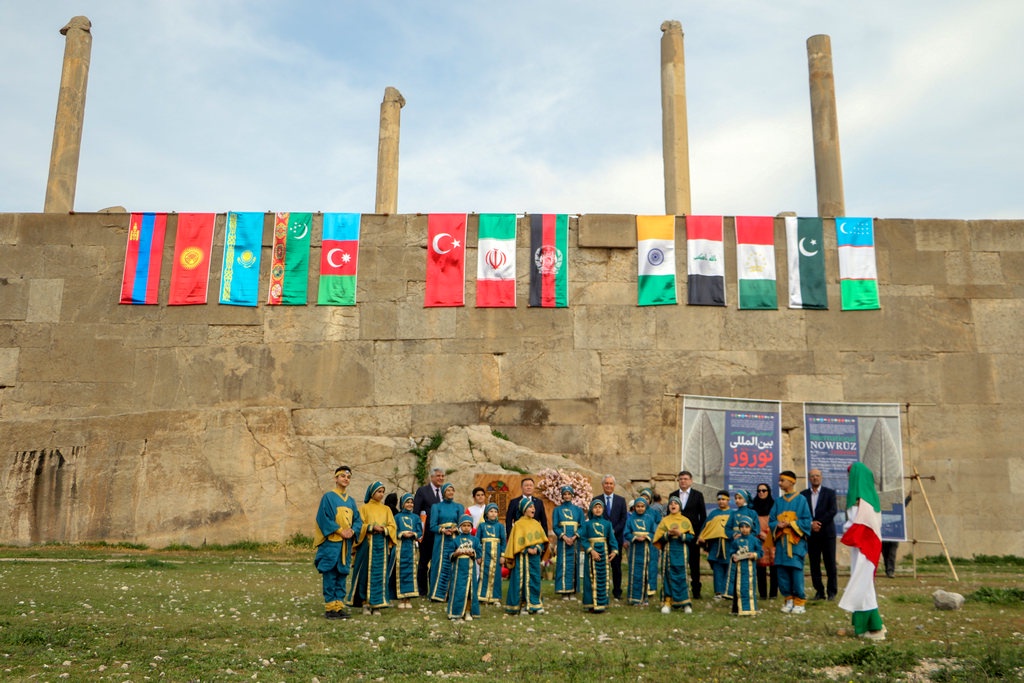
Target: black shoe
(342, 614)
(818, 596)
(832, 597)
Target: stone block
(689, 328)
(998, 325)
(1012, 267)
(1008, 373)
(93, 360)
(394, 420)
(513, 328)
(902, 323)
(234, 335)
(435, 378)
(967, 374)
(540, 412)
(607, 231)
(802, 388)
(554, 375)
(996, 235)
(416, 322)
(602, 294)
(974, 268)
(890, 377)
(8, 366)
(44, 301)
(764, 330)
(604, 265)
(917, 268)
(13, 298)
(893, 235)
(942, 235)
(615, 328)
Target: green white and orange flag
(858, 274)
(656, 260)
(339, 260)
(863, 533)
(755, 262)
(496, 261)
(289, 265)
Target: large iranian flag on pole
(858, 274)
(806, 257)
(863, 533)
(496, 261)
(755, 262)
(656, 260)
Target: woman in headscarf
(409, 529)
(491, 533)
(566, 520)
(599, 547)
(523, 558)
(767, 579)
(376, 538)
(444, 522)
(863, 533)
(671, 537)
(638, 532)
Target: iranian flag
(863, 533)
(705, 261)
(755, 262)
(858, 274)
(190, 274)
(446, 260)
(339, 258)
(496, 261)
(656, 260)
(549, 263)
(806, 257)
(289, 265)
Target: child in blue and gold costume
(491, 534)
(744, 552)
(463, 602)
(672, 535)
(409, 529)
(566, 521)
(373, 551)
(714, 537)
(444, 523)
(523, 558)
(639, 529)
(337, 524)
(599, 548)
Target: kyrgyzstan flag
(446, 260)
(143, 256)
(190, 274)
(496, 261)
(339, 258)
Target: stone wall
(178, 424)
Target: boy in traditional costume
(790, 524)
(491, 534)
(523, 558)
(373, 550)
(566, 521)
(599, 548)
(639, 529)
(744, 550)
(672, 536)
(463, 602)
(715, 538)
(863, 533)
(409, 529)
(444, 523)
(655, 514)
(337, 522)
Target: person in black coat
(616, 512)
(696, 511)
(822, 543)
(425, 498)
(527, 485)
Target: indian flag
(496, 261)
(755, 262)
(864, 536)
(656, 260)
(858, 275)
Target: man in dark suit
(822, 543)
(425, 498)
(692, 502)
(615, 512)
(527, 485)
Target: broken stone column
(674, 140)
(67, 129)
(828, 167)
(387, 151)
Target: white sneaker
(366, 610)
(687, 610)
(788, 607)
(665, 609)
(469, 617)
(799, 609)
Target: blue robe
(732, 527)
(675, 552)
(462, 584)
(791, 543)
(597, 534)
(443, 515)
(373, 557)
(640, 556)
(333, 559)
(524, 579)
(567, 519)
(492, 540)
(406, 555)
(743, 574)
(718, 557)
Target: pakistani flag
(858, 275)
(656, 260)
(806, 254)
(755, 262)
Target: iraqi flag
(446, 260)
(243, 249)
(549, 265)
(496, 261)
(339, 260)
(863, 533)
(656, 260)
(289, 265)
(143, 257)
(190, 274)
(806, 257)
(755, 262)
(858, 274)
(705, 261)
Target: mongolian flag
(243, 247)
(549, 267)
(705, 261)
(289, 265)
(858, 274)
(496, 261)
(755, 262)
(446, 260)
(656, 260)
(806, 257)
(339, 259)
(193, 244)
(143, 257)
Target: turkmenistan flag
(858, 274)
(289, 266)
(656, 260)
(755, 262)
(549, 260)
(496, 261)
(705, 261)
(339, 259)
(806, 256)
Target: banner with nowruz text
(836, 435)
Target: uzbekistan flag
(446, 260)
(339, 260)
(496, 261)
(705, 261)
(863, 533)
(549, 269)
(243, 248)
(858, 275)
(755, 262)
(289, 265)
(656, 260)
(806, 257)
(143, 257)
(190, 274)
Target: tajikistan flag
(755, 262)
(656, 260)
(858, 274)
(863, 533)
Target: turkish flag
(446, 260)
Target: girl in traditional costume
(373, 550)
(744, 550)
(522, 556)
(767, 579)
(863, 533)
(444, 522)
(566, 521)
(638, 532)
(491, 534)
(463, 601)
(599, 548)
(715, 538)
(655, 515)
(671, 537)
(409, 529)
(743, 510)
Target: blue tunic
(333, 559)
(790, 544)
(492, 540)
(567, 519)
(597, 534)
(406, 554)
(743, 574)
(639, 533)
(462, 585)
(443, 515)
(675, 589)
(718, 556)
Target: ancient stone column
(387, 151)
(828, 167)
(67, 129)
(674, 140)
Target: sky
(528, 106)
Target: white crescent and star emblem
(345, 257)
(305, 230)
(455, 244)
(804, 251)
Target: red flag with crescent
(446, 260)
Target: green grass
(101, 613)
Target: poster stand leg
(918, 479)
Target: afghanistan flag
(496, 261)
(446, 260)
(289, 265)
(705, 261)
(190, 274)
(243, 248)
(549, 268)
(858, 275)
(656, 260)
(864, 536)
(143, 257)
(339, 258)
(806, 257)
(755, 262)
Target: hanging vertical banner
(731, 443)
(656, 260)
(193, 244)
(289, 265)
(446, 260)
(705, 261)
(858, 273)
(143, 257)
(806, 257)
(837, 435)
(755, 262)
(496, 261)
(243, 249)
(549, 263)
(339, 260)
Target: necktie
(437, 494)
(608, 504)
